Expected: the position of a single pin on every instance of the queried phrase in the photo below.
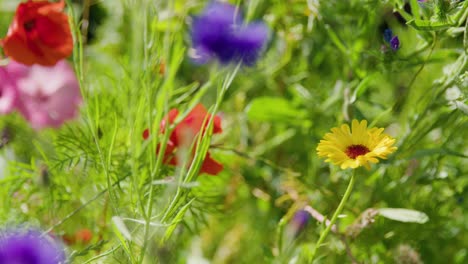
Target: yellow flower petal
(355, 147)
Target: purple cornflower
(29, 247)
(395, 43)
(391, 39)
(299, 221)
(219, 32)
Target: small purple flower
(391, 39)
(29, 247)
(299, 221)
(395, 43)
(218, 32)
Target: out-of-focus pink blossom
(47, 96)
(8, 94)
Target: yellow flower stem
(325, 232)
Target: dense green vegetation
(325, 64)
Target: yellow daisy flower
(357, 147)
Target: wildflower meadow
(241, 131)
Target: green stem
(335, 216)
(192, 174)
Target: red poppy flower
(185, 133)
(39, 34)
(82, 237)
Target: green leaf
(404, 215)
(361, 88)
(177, 219)
(273, 109)
(429, 25)
(437, 151)
(123, 234)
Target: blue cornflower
(391, 39)
(220, 33)
(29, 247)
(387, 35)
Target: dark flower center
(355, 151)
(29, 25)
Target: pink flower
(8, 94)
(47, 96)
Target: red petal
(169, 153)
(194, 122)
(195, 118)
(184, 134)
(211, 166)
(217, 125)
(84, 236)
(146, 134)
(49, 39)
(171, 116)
